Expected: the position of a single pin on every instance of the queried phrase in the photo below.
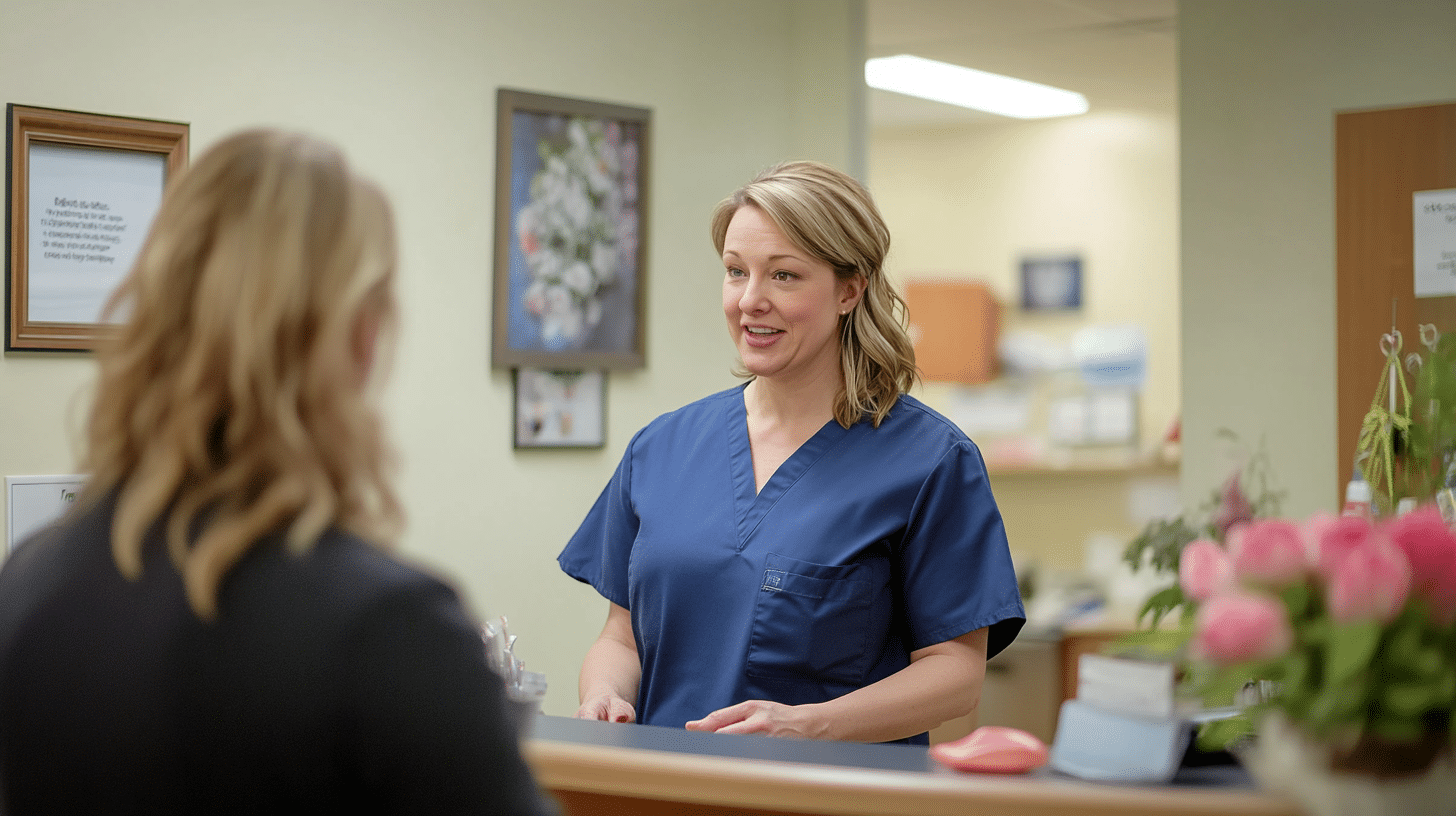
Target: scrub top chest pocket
(811, 621)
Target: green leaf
(1350, 649)
(1160, 604)
(1336, 705)
(1428, 663)
(1409, 699)
(1161, 544)
(1296, 600)
(1445, 686)
(1219, 687)
(1404, 642)
(1216, 735)
(1315, 632)
(1398, 728)
(1152, 644)
(1298, 673)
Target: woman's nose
(753, 300)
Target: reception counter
(606, 768)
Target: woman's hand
(761, 717)
(608, 707)
(943, 681)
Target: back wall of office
(408, 89)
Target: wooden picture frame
(83, 189)
(560, 409)
(571, 215)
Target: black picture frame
(570, 245)
(1051, 283)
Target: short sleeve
(955, 560)
(599, 552)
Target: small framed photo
(560, 409)
(1051, 284)
(83, 190)
(570, 233)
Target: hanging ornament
(1389, 416)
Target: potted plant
(1351, 624)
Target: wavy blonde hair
(239, 397)
(831, 216)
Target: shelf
(1082, 468)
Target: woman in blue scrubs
(813, 553)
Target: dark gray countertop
(743, 746)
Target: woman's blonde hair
(236, 400)
(831, 216)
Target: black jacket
(341, 681)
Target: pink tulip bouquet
(1353, 624)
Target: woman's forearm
(610, 667)
(942, 683)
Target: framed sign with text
(83, 190)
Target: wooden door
(1381, 158)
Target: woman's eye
(783, 275)
(734, 272)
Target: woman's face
(782, 304)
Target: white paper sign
(90, 208)
(33, 502)
(1435, 242)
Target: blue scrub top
(866, 544)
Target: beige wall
(408, 89)
(1261, 83)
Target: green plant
(1246, 495)
(1425, 448)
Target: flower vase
(1417, 779)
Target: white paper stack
(1126, 723)
(1139, 687)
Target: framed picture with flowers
(570, 233)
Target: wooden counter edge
(804, 788)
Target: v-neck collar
(751, 505)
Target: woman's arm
(942, 682)
(611, 671)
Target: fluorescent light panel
(969, 88)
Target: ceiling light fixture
(969, 88)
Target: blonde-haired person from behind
(814, 553)
(216, 627)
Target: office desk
(600, 769)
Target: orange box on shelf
(955, 325)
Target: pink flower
(1241, 626)
(1204, 569)
(1430, 547)
(1270, 552)
(1233, 508)
(1372, 581)
(1332, 541)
